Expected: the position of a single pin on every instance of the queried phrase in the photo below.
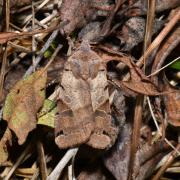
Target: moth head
(85, 63)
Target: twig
(107, 24)
(42, 161)
(136, 133)
(140, 99)
(37, 9)
(33, 37)
(157, 126)
(49, 18)
(157, 41)
(62, 163)
(4, 61)
(36, 173)
(156, 72)
(70, 172)
(52, 58)
(41, 53)
(149, 26)
(19, 48)
(19, 160)
(169, 161)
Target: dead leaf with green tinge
(23, 103)
(47, 114)
(4, 143)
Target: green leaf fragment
(47, 113)
(48, 54)
(175, 65)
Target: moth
(84, 114)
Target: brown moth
(83, 103)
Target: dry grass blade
(7, 36)
(159, 70)
(42, 161)
(4, 61)
(41, 53)
(160, 38)
(136, 132)
(19, 160)
(140, 99)
(157, 126)
(168, 162)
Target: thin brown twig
(159, 70)
(4, 61)
(140, 99)
(168, 162)
(149, 26)
(106, 26)
(157, 41)
(157, 126)
(42, 161)
(45, 47)
(136, 133)
(19, 160)
(33, 37)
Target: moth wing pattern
(83, 103)
(73, 124)
(104, 133)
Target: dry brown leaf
(138, 82)
(4, 143)
(77, 13)
(22, 104)
(171, 99)
(172, 103)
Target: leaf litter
(22, 104)
(115, 31)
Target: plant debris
(89, 89)
(22, 104)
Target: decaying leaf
(83, 103)
(47, 114)
(141, 6)
(133, 31)
(23, 103)
(76, 13)
(91, 31)
(171, 100)
(4, 143)
(138, 82)
(117, 160)
(172, 104)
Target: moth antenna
(85, 46)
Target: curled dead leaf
(171, 100)
(22, 104)
(138, 81)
